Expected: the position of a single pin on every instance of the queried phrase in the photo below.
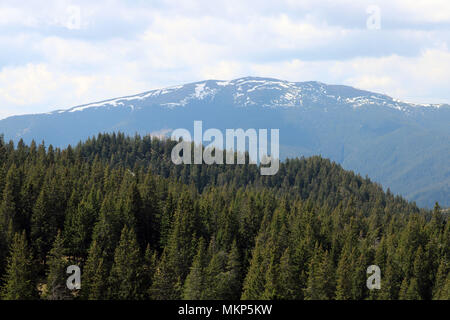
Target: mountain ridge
(155, 92)
(403, 146)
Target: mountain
(403, 146)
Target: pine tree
(441, 290)
(403, 293)
(43, 224)
(289, 288)
(19, 281)
(3, 253)
(255, 280)
(177, 256)
(232, 277)
(413, 290)
(216, 286)
(56, 276)
(8, 212)
(79, 225)
(391, 281)
(108, 228)
(148, 219)
(125, 279)
(421, 273)
(148, 270)
(271, 286)
(165, 285)
(195, 281)
(344, 280)
(95, 275)
(321, 283)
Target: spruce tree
(20, 280)
(56, 276)
(179, 252)
(271, 286)
(289, 288)
(78, 227)
(216, 285)
(166, 285)
(125, 280)
(413, 291)
(255, 280)
(43, 224)
(148, 270)
(233, 274)
(8, 209)
(344, 273)
(441, 290)
(194, 285)
(321, 279)
(94, 280)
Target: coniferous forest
(140, 227)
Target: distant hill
(403, 146)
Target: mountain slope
(141, 227)
(403, 146)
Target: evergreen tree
(79, 226)
(289, 288)
(43, 224)
(8, 212)
(255, 280)
(95, 275)
(441, 290)
(216, 286)
(19, 281)
(421, 273)
(178, 254)
(413, 293)
(149, 268)
(165, 285)
(56, 276)
(321, 284)
(345, 272)
(232, 277)
(126, 274)
(195, 281)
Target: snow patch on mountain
(202, 91)
(265, 92)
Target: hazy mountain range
(403, 146)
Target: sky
(55, 54)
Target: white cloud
(423, 10)
(38, 88)
(127, 48)
(417, 79)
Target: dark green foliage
(125, 279)
(195, 283)
(142, 228)
(321, 278)
(19, 279)
(57, 276)
(94, 279)
(43, 223)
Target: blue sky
(61, 53)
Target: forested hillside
(142, 228)
(403, 146)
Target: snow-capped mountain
(404, 146)
(252, 91)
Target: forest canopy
(141, 227)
